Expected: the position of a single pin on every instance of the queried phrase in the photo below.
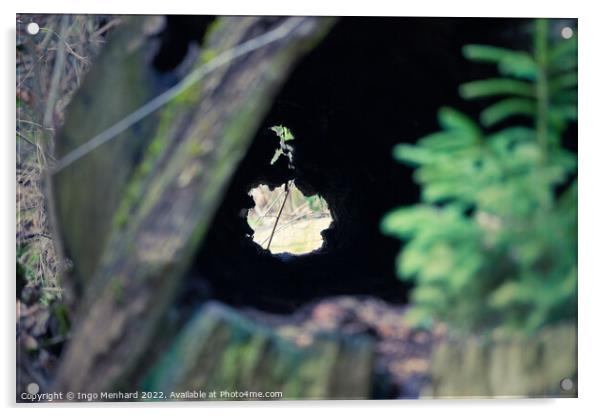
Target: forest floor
(402, 353)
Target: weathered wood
(171, 198)
(506, 366)
(220, 350)
(87, 193)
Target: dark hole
(176, 37)
(370, 84)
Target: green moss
(135, 187)
(212, 29)
(207, 55)
(195, 148)
(190, 96)
(117, 289)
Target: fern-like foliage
(494, 242)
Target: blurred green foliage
(494, 241)
(316, 203)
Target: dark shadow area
(177, 35)
(372, 83)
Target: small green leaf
(565, 112)
(507, 108)
(276, 156)
(507, 294)
(285, 135)
(283, 132)
(454, 120)
(428, 295)
(514, 63)
(564, 81)
(444, 190)
(402, 221)
(503, 140)
(563, 55)
(412, 154)
(520, 65)
(445, 140)
(485, 53)
(496, 86)
(566, 64)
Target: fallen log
(221, 351)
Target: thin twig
(299, 208)
(64, 43)
(287, 189)
(110, 24)
(57, 72)
(269, 208)
(159, 101)
(22, 136)
(33, 123)
(23, 79)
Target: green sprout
(285, 135)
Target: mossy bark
(87, 193)
(171, 199)
(219, 350)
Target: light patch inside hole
(287, 222)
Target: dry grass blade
(50, 66)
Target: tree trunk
(156, 213)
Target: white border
(590, 207)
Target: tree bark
(86, 194)
(519, 366)
(219, 350)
